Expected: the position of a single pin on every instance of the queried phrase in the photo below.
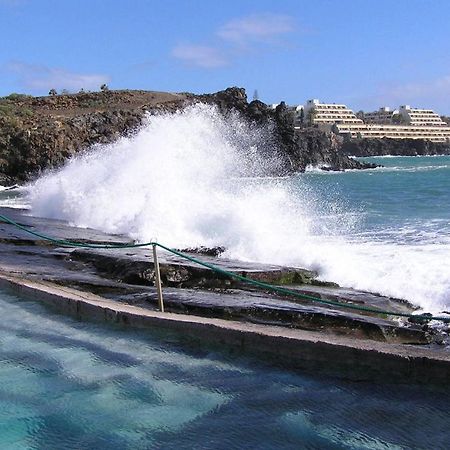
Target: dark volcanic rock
(26, 149)
(395, 147)
(226, 100)
(323, 150)
(208, 251)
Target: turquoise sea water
(71, 385)
(386, 230)
(407, 193)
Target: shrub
(15, 96)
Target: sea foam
(196, 178)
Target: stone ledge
(298, 349)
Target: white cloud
(417, 90)
(42, 78)
(256, 27)
(433, 93)
(200, 56)
(236, 38)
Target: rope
(76, 244)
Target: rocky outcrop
(43, 132)
(128, 277)
(323, 150)
(297, 149)
(395, 147)
(26, 149)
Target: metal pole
(158, 279)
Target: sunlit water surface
(66, 384)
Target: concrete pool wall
(346, 357)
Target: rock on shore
(394, 147)
(38, 133)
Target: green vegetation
(10, 106)
(89, 103)
(14, 97)
(6, 110)
(302, 117)
(398, 119)
(310, 117)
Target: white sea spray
(195, 178)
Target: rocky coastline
(40, 133)
(394, 147)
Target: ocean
(194, 179)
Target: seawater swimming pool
(67, 384)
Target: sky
(364, 53)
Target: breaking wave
(195, 178)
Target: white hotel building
(414, 123)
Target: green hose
(260, 284)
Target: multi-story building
(328, 113)
(416, 123)
(431, 133)
(420, 117)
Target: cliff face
(37, 133)
(397, 147)
(26, 149)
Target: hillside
(38, 133)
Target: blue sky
(365, 53)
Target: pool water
(66, 384)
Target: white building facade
(329, 113)
(415, 123)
